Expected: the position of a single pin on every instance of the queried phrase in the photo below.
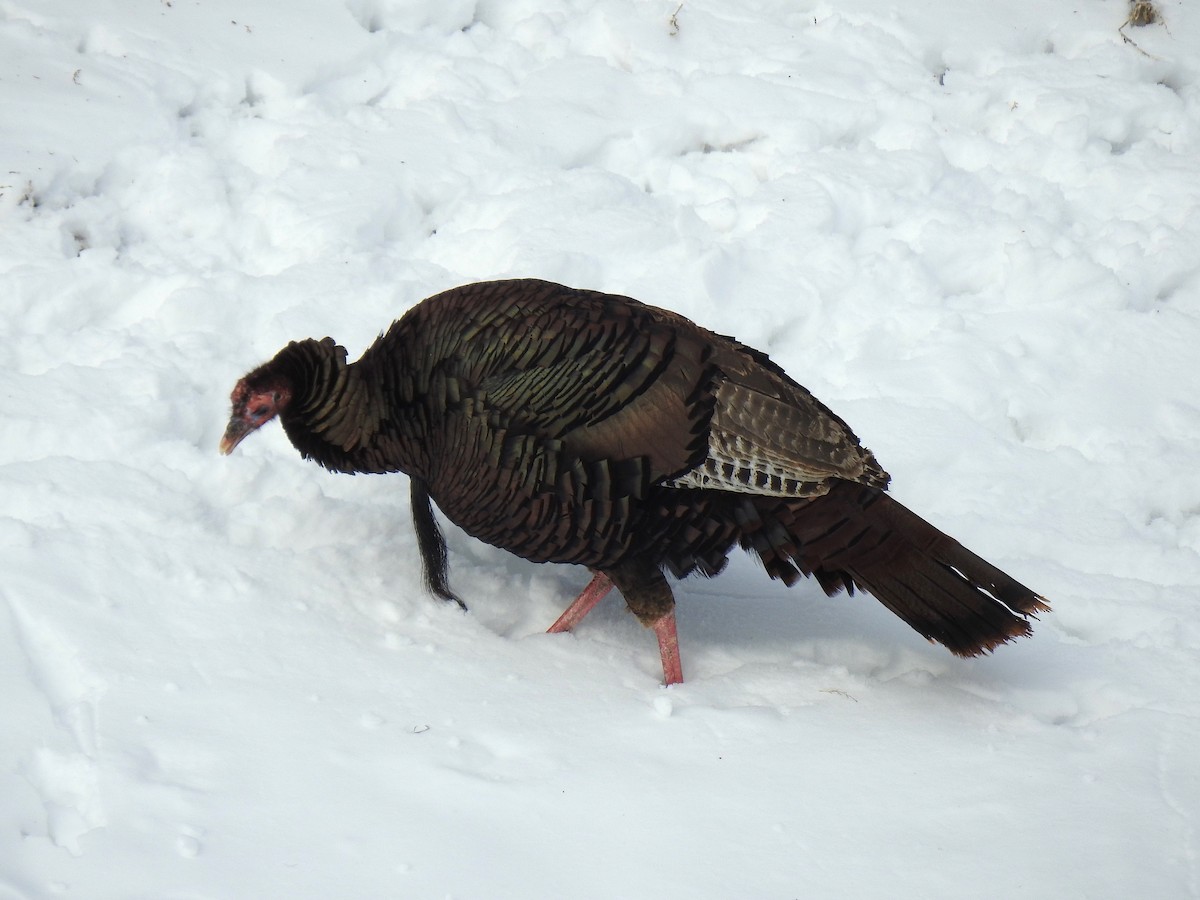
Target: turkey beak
(234, 432)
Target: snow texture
(970, 228)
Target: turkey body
(578, 427)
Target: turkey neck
(337, 413)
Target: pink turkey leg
(583, 604)
(664, 628)
(668, 648)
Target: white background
(971, 228)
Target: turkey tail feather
(857, 535)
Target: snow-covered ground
(972, 228)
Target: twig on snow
(674, 20)
(1141, 12)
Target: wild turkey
(578, 427)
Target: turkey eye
(275, 397)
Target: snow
(971, 230)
